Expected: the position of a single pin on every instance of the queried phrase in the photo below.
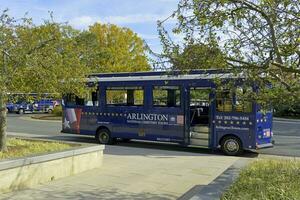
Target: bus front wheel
(232, 146)
(103, 136)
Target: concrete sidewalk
(135, 173)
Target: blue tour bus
(171, 107)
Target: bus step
(198, 128)
(197, 135)
(198, 142)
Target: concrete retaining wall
(26, 172)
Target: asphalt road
(286, 135)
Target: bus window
(241, 104)
(138, 97)
(92, 99)
(168, 96)
(79, 101)
(199, 97)
(70, 99)
(73, 100)
(224, 101)
(125, 96)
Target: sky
(139, 15)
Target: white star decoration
(66, 123)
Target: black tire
(103, 136)
(232, 146)
(126, 140)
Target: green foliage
(55, 58)
(199, 56)
(287, 110)
(39, 59)
(267, 179)
(259, 39)
(109, 48)
(57, 111)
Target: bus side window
(166, 96)
(125, 96)
(73, 100)
(70, 99)
(224, 101)
(116, 96)
(92, 99)
(79, 101)
(241, 104)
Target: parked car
(43, 106)
(10, 107)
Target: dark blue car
(43, 105)
(10, 107)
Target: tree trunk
(3, 146)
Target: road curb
(268, 156)
(28, 118)
(29, 171)
(285, 119)
(216, 188)
(36, 159)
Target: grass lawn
(267, 179)
(21, 147)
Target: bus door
(167, 113)
(199, 117)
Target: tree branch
(253, 7)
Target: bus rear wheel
(232, 146)
(103, 136)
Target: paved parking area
(135, 173)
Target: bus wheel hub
(232, 146)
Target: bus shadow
(70, 138)
(146, 148)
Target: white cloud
(148, 36)
(132, 19)
(85, 21)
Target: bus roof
(162, 75)
(156, 73)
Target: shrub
(267, 179)
(57, 111)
